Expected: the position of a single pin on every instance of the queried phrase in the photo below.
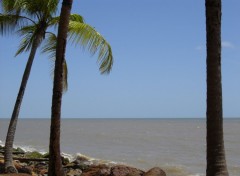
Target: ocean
(176, 145)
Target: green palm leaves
(89, 38)
(34, 22)
(30, 18)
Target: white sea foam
(69, 156)
(25, 148)
(198, 174)
(93, 160)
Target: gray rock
(156, 171)
(121, 170)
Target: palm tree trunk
(216, 162)
(8, 157)
(55, 161)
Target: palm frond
(27, 34)
(7, 5)
(54, 21)
(37, 9)
(7, 24)
(76, 18)
(89, 38)
(10, 23)
(52, 6)
(25, 44)
(49, 47)
(73, 17)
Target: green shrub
(34, 154)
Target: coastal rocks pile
(36, 164)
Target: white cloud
(226, 44)
(199, 48)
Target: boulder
(121, 170)
(1, 166)
(156, 171)
(76, 172)
(104, 172)
(100, 170)
(17, 164)
(76, 166)
(43, 172)
(25, 169)
(40, 168)
(19, 174)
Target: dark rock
(2, 166)
(43, 172)
(104, 172)
(46, 155)
(41, 168)
(25, 169)
(17, 174)
(121, 170)
(156, 171)
(65, 160)
(11, 169)
(76, 166)
(41, 164)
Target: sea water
(176, 145)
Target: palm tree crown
(30, 18)
(34, 21)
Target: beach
(175, 145)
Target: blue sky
(159, 64)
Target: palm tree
(31, 19)
(33, 33)
(105, 59)
(216, 162)
(55, 161)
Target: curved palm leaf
(37, 9)
(10, 23)
(7, 6)
(87, 36)
(27, 34)
(49, 46)
(73, 17)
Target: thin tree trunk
(55, 162)
(216, 162)
(8, 157)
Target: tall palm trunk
(8, 157)
(216, 162)
(55, 162)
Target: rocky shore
(36, 164)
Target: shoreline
(36, 164)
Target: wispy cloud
(227, 44)
(199, 48)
